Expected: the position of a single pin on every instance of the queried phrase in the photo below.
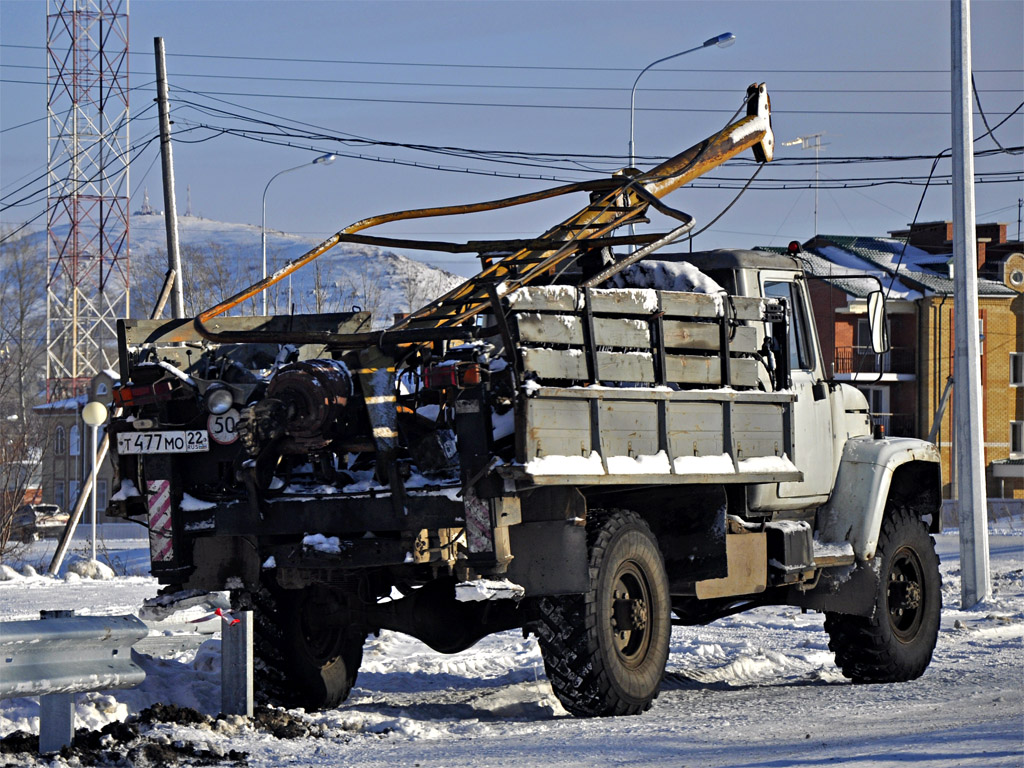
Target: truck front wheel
(896, 643)
(605, 651)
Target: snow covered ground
(758, 689)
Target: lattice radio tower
(87, 197)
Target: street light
(722, 41)
(94, 414)
(321, 160)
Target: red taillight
(444, 376)
(440, 376)
(133, 395)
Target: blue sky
(873, 77)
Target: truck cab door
(813, 444)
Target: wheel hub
(905, 594)
(630, 615)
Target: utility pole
(972, 504)
(167, 161)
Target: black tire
(896, 643)
(597, 667)
(300, 660)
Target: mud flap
(161, 534)
(550, 557)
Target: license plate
(178, 441)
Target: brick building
(905, 387)
(66, 453)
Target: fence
(61, 654)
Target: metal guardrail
(60, 655)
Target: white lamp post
(94, 414)
(321, 160)
(722, 41)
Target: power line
(501, 86)
(539, 67)
(587, 107)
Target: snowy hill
(348, 275)
(220, 258)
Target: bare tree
(210, 273)
(22, 372)
(22, 327)
(420, 289)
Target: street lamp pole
(723, 40)
(321, 160)
(94, 414)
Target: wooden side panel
(678, 304)
(639, 301)
(707, 371)
(636, 367)
(535, 328)
(561, 422)
(695, 429)
(629, 428)
(568, 329)
(757, 430)
(557, 428)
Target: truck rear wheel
(896, 643)
(605, 651)
(302, 661)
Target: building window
(58, 494)
(101, 496)
(60, 442)
(1016, 439)
(75, 441)
(1017, 369)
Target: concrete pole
(972, 506)
(167, 161)
(236, 664)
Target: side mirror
(876, 321)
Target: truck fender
(854, 511)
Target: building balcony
(861, 360)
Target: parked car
(35, 521)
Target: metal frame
(88, 190)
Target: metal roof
(881, 253)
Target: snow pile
(566, 465)
(646, 299)
(666, 276)
(767, 464)
(487, 589)
(192, 504)
(91, 569)
(557, 295)
(704, 465)
(126, 491)
(320, 543)
(639, 465)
